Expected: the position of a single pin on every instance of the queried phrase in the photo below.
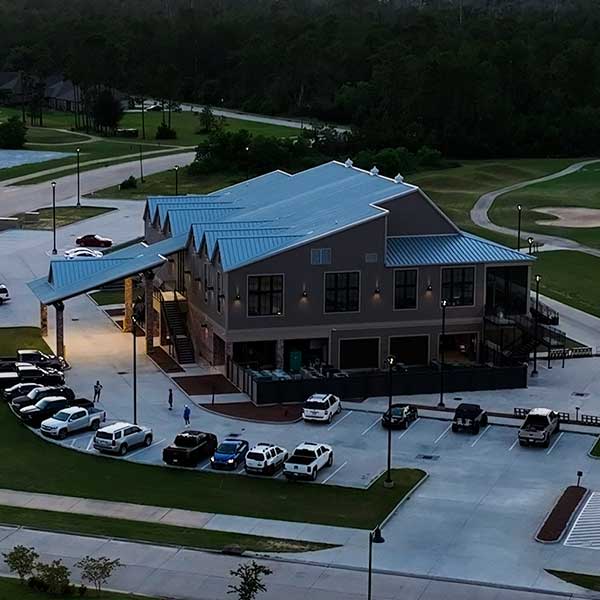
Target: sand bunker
(570, 216)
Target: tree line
(472, 79)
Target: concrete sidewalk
(181, 518)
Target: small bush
(12, 134)
(21, 560)
(54, 577)
(97, 570)
(129, 184)
(164, 132)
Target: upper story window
(320, 256)
(220, 295)
(458, 286)
(405, 289)
(265, 295)
(342, 292)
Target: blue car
(230, 453)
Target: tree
(12, 134)
(207, 119)
(21, 560)
(97, 570)
(54, 577)
(251, 580)
(107, 111)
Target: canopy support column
(60, 328)
(128, 298)
(43, 319)
(149, 316)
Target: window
(360, 353)
(405, 289)
(458, 286)
(219, 293)
(342, 292)
(320, 256)
(205, 282)
(265, 295)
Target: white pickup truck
(70, 420)
(539, 426)
(307, 460)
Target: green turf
(164, 184)
(39, 466)
(65, 215)
(595, 451)
(106, 297)
(43, 135)
(570, 277)
(16, 338)
(590, 582)
(579, 189)
(155, 533)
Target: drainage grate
(428, 456)
(75, 319)
(121, 372)
(580, 394)
(234, 435)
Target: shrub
(12, 134)
(21, 560)
(97, 570)
(251, 580)
(54, 577)
(164, 132)
(128, 184)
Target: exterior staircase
(178, 332)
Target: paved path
(479, 213)
(82, 138)
(14, 199)
(171, 572)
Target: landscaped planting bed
(557, 521)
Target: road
(15, 199)
(479, 213)
(171, 572)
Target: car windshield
(314, 405)
(104, 435)
(255, 456)
(397, 411)
(186, 441)
(62, 416)
(227, 448)
(42, 404)
(33, 394)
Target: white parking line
(339, 420)
(443, 434)
(556, 442)
(204, 467)
(481, 435)
(371, 426)
(409, 428)
(72, 444)
(146, 448)
(336, 471)
(90, 444)
(514, 444)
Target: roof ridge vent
(398, 178)
(348, 163)
(374, 171)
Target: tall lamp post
(388, 483)
(442, 348)
(530, 241)
(141, 165)
(53, 184)
(78, 180)
(519, 211)
(134, 332)
(375, 537)
(176, 168)
(538, 278)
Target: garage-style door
(411, 350)
(359, 353)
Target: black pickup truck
(469, 417)
(34, 414)
(189, 448)
(36, 394)
(34, 357)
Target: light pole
(579, 476)
(78, 186)
(247, 162)
(53, 217)
(134, 331)
(176, 168)
(530, 242)
(375, 537)
(519, 211)
(442, 349)
(141, 165)
(388, 483)
(535, 328)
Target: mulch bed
(115, 312)
(250, 412)
(167, 363)
(557, 521)
(203, 385)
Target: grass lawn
(105, 297)
(65, 215)
(590, 582)
(595, 451)
(149, 532)
(43, 135)
(570, 277)
(579, 189)
(16, 338)
(164, 184)
(12, 589)
(38, 466)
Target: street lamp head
(78, 150)
(376, 536)
(519, 207)
(53, 184)
(530, 240)
(538, 278)
(390, 360)
(176, 167)
(444, 303)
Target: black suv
(38, 393)
(189, 448)
(469, 417)
(401, 416)
(47, 407)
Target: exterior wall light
(377, 291)
(429, 287)
(237, 297)
(304, 293)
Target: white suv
(4, 295)
(121, 437)
(321, 407)
(265, 458)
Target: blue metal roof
(163, 209)
(451, 249)
(181, 221)
(153, 202)
(199, 228)
(238, 251)
(215, 236)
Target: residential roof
(153, 202)
(447, 249)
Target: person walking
(170, 399)
(97, 390)
(186, 415)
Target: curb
(244, 419)
(406, 497)
(568, 524)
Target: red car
(94, 241)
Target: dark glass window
(405, 289)
(342, 292)
(458, 286)
(265, 295)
